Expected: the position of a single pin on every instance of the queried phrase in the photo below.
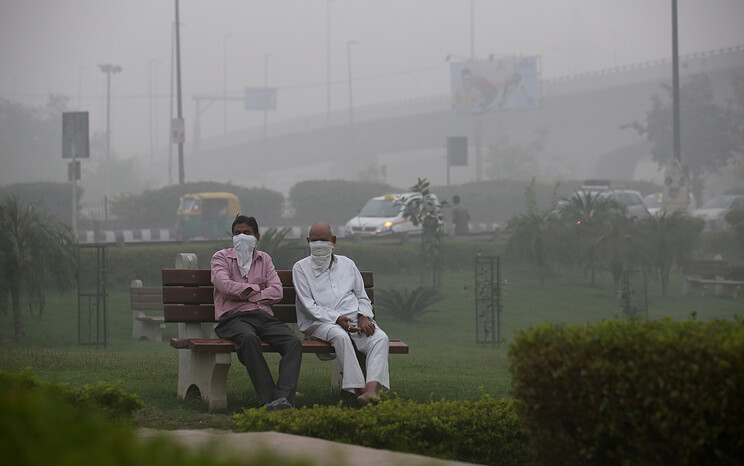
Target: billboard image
(499, 84)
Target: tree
(30, 139)
(530, 233)
(514, 160)
(35, 249)
(708, 133)
(669, 239)
(588, 214)
(425, 210)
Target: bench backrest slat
(202, 277)
(188, 295)
(146, 299)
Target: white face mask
(244, 245)
(320, 256)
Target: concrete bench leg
(146, 329)
(208, 372)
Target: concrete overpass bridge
(580, 121)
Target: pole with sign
(457, 153)
(75, 144)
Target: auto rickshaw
(207, 215)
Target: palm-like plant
(529, 233)
(589, 213)
(669, 239)
(274, 242)
(407, 304)
(35, 249)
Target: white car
(653, 203)
(630, 199)
(381, 217)
(715, 209)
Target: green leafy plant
(283, 252)
(36, 250)
(426, 210)
(407, 304)
(530, 233)
(485, 431)
(644, 392)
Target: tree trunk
(15, 298)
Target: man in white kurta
(333, 306)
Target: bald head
(321, 231)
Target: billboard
(260, 98)
(500, 84)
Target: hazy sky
(55, 46)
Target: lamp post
(266, 93)
(152, 119)
(351, 95)
(224, 82)
(109, 69)
(181, 169)
(351, 160)
(328, 60)
(675, 84)
(472, 30)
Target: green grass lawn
(444, 360)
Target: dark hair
(250, 221)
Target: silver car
(715, 209)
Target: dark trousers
(246, 330)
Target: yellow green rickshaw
(207, 215)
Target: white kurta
(339, 291)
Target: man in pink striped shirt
(245, 286)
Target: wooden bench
(146, 327)
(205, 359)
(703, 275)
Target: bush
(616, 392)
(499, 200)
(55, 198)
(333, 201)
(721, 242)
(484, 431)
(158, 208)
(405, 304)
(47, 424)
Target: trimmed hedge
(333, 201)
(615, 392)
(486, 431)
(158, 207)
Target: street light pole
(224, 82)
(109, 69)
(266, 93)
(675, 83)
(328, 60)
(472, 30)
(152, 119)
(351, 95)
(181, 170)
